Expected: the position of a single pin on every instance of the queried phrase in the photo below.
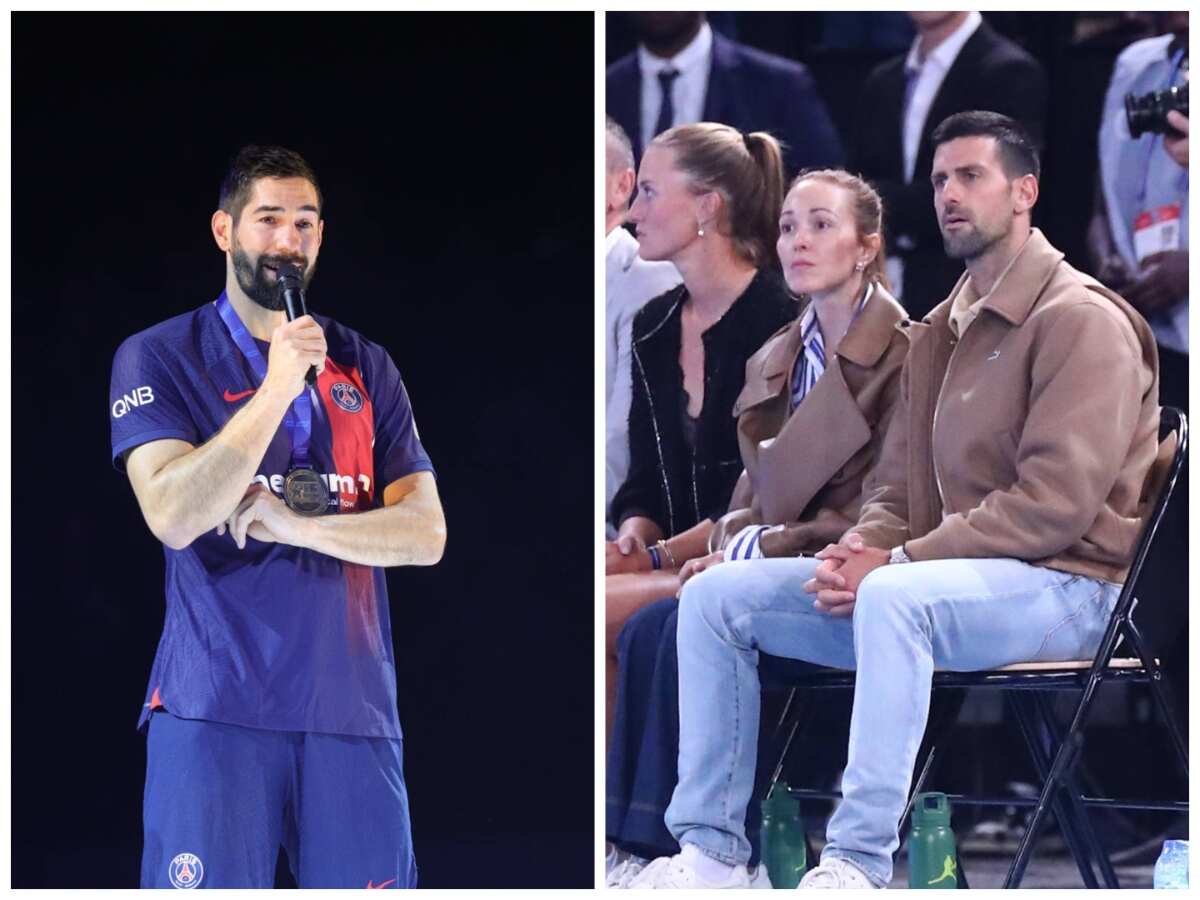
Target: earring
(858, 267)
(700, 231)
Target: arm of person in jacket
(1086, 389)
(635, 557)
(883, 517)
(637, 504)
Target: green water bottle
(932, 860)
(782, 838)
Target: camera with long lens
(1148, 113)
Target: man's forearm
(411, 532)
(195, 492)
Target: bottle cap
(931, 809)
(781, 803)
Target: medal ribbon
(298, 419)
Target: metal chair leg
(1062, 759)
(1083, 822)
(1159, 691)
(1036, 741)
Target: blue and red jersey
(272, 636)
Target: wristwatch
(899, 556)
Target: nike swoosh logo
(233, 398)
(382, 885)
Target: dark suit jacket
(990, 72)
(748, 89)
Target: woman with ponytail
(708, 201)
(817, 399)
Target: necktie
(666, 111)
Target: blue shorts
(222, 799)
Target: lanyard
(298, 418)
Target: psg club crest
(186, 871)
(347, 397)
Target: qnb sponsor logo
(141, 396)
(337, 484)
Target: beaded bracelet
(655, 559)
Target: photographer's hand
(1177, 144)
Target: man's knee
(888, 594)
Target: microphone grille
(290, 274)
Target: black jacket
(990, 73)
(667, 482)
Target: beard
(968, 244)
(254, 281)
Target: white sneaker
(672, 872)
(835, 873)
(611, 859)
(624, 872)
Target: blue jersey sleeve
(398, 450)
(144, 401)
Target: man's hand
(295, 346)
(1176, 145)
(626, 554)
(699, 564)
(844, 565)
(262, 516)
(1162, 282)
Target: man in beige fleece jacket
(999, 524)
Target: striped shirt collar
(811, 363)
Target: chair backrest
(1156, 493)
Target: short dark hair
(1015, 148)
(256, 161)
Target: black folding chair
(1053, 752)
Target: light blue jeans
(961, 614)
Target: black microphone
(290, 284)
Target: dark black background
(455, 154)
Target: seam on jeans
(1075, 615)
(737, 732)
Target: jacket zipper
(937, 478)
